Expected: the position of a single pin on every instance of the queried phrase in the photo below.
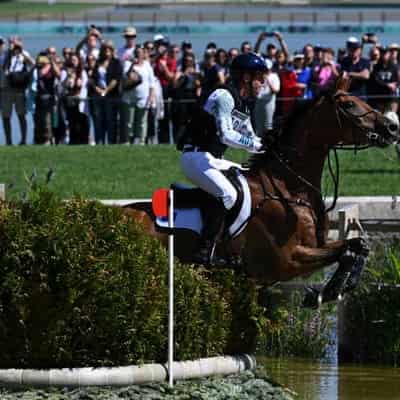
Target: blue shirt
(305, 76)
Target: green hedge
(295, 331)
(82, 285)
(372, 313)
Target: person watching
(246, 47)
(17, 68)
(126, 52)
(105, 83)
(384, 82)
(213, 75)
(326, 73)
(45, 74)
(374, 56)
(138, 86)
(356, 67)
(265, 104)
(89, 45)
(309, 56)
(271, 50)
(394, 49)
(74, 81)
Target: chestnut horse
(286, 235)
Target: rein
(354, 119)
(334, 172)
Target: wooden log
(348, 217)
(2, 191)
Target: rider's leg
(213, 229)
(199, 167)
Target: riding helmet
(250, 62)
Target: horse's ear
(342, 83)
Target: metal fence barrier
(25, 101)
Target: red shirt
(159, 69)
(288, 89)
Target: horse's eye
(348, 104)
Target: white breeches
(204, 170)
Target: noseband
(355, 120)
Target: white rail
(130, 375)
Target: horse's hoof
(355, 274)
(312, 298)
(235, 262)
(359, 246)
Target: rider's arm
(220, 104)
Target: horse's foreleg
(312, 258)
(351, 255)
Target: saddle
(191, 205)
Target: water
(313, 380)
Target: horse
(286, 234)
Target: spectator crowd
(146, 93)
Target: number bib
(241, 123)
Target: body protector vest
(202, 131)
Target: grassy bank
(117, 172)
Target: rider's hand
(258, 147)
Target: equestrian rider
(222, 121)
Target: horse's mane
(284, 131)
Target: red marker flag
(159, 202)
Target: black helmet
(250, 62)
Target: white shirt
(17, 64)
(274, 81)
(84, 53)
(125, 53)
(102, 81)
(140, 93)
(234, 128)
(3, 55)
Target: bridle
(341, 111)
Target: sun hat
(41, 59)
(298, 56)
(158, 37)
(394, 46)
(129, 31)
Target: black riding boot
(212, 231)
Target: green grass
(373, 172)
(27, 9)
(117, 172)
